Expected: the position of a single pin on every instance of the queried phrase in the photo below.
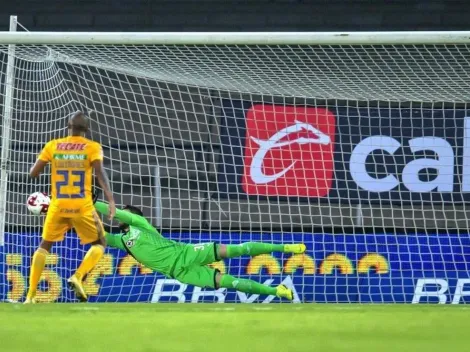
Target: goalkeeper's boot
(296, 248)
(30, 300)
(76, 285)
(283, 292)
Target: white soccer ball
(38, 203)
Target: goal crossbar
(238, 38)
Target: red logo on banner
(288, 151)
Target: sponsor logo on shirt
(69, 211)
(71, 146)
(70, 156)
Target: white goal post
(355, 143)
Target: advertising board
(345, 154)
(382, 268)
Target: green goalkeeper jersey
(143, 241)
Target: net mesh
(182, 128)
(378, 72)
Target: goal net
(361, 150)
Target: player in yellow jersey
(72, 159)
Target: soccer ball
(38, 203)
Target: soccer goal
(357, 144)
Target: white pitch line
(262, 308)
(85, 308)
(348, 308)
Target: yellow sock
(92, 257)
(37, 266)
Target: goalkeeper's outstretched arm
(114, 241)
(127, 217)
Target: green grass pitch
(235, 327)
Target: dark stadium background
(237, 15)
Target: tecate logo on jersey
(442, 165)
(288, 151)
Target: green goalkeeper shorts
(192, 265)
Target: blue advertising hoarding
(354, 154)
(383, 268)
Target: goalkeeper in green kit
(188, 263)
